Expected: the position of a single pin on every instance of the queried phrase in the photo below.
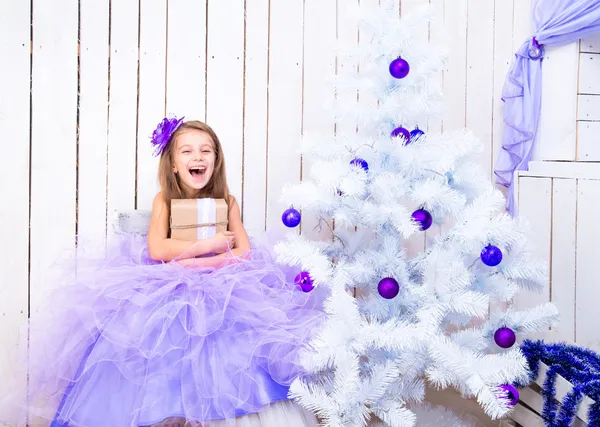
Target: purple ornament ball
(304, 281)
(416, 133)
(423, 218)
(291, 218)
(491, 255)
(388, 287)
(512, 393)
(400, 131)
(505, 337)
(360, 163)
(399, 68)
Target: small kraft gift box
(195, 219)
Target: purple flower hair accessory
(163, 132)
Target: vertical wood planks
(503, 58)
(564, 247)
(480, 76)
(54, 143)
(255, 117)
(93, 125)
(151, 95)
(586, 285)
(122, 110)
(14, 174)
(535, 205)
(186, 58)
(285, 103)
(225, 79)
(319, 67)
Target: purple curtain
(556, 22)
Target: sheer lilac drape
(556, 22)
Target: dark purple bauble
(291, 218)
(360, 163)
(416, 133)
(388, 288)
(491, 255)
(505, 337)
(305, 282)
(400, 131)
(399, 68)
(423, 218)
(512, 393)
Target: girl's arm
(162, 248)
(242, 243)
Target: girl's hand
(223, 242)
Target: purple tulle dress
(134, 342)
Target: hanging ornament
(360, 163)
(491, 255)
(423, 218)
(416, 133)
(535, 50)
(388, 287)
(399, 68)
(291, 218)
(512, 393)
(400, 131)
(304, 281)
(505, 337)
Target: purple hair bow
(163, 133)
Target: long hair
(170, 186)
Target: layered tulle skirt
(127, 341)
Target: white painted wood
(122, 112)
(588, 107)
(255, 118)
(535, 205)
(522, 23)
(525, 417)
(455, 75)
(93, 123)
(589, 70)
(532, 399)
(587, 290)
(225, 79)
(14, 176)
(318, 67)
(563, 170)
(590, 44)
(53, 145)
(556, 138)
(564, 246)
(437, 38)
(186, 58)
(480, 76)
(503, 57)
(285, 104)
(588, 146)
(151, 106)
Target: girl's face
(194, 160)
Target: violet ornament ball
(291, 218)
(399, 68)
(360, 163)
(512, 393)
(491, 255)
(304, 281)
(388, 287)
(505, 337)
(423, 218)
(402, 132)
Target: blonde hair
(170, 186)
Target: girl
(160, 331)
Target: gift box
(195, 219)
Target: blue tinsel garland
(581, 367)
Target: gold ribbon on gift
(208, 224)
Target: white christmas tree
(443, 318)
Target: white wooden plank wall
(588, 113)
(77, 140)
